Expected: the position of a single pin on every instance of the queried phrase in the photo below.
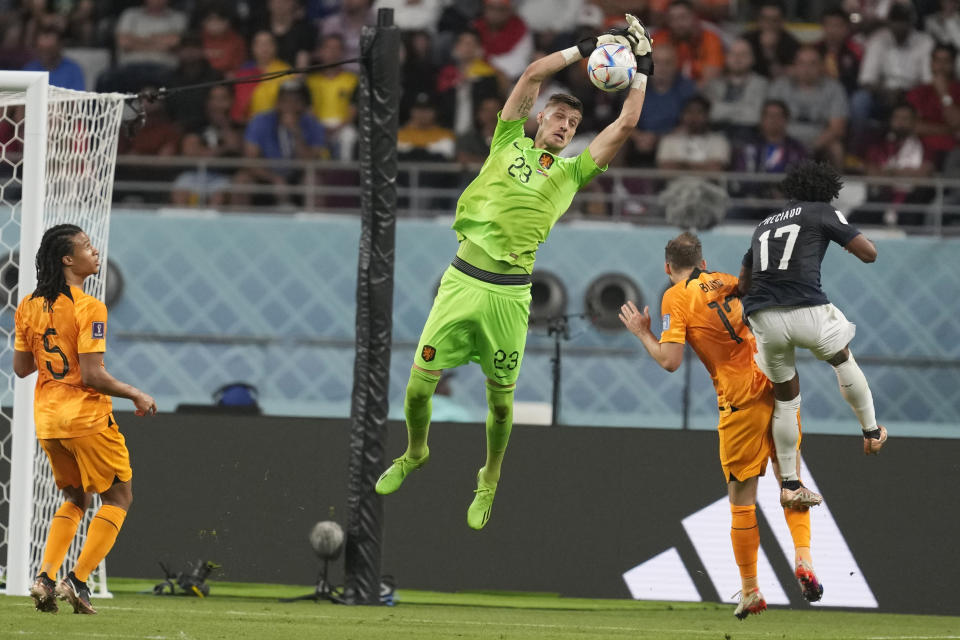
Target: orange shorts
(746, 439)
(93, 462)
(746, 442)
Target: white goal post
(57, 164)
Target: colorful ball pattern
(611, 67)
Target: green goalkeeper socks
(499, 425)
(417, 407)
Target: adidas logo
(665, 577)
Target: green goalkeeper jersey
(520, 193)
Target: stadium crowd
(870, 86)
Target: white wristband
(639, 81)
(570, 54)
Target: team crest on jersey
(99, 329)
(666, 322)
(428, 353)
(546, 161)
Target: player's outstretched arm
(527, 89)
(668, 355)
(608, 142)
(745, 280)
(95, 375)
(863, 248)
(23, 363)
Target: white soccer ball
(611, 67)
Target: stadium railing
(427, 189)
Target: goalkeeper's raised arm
(608, 142)
(525, 92)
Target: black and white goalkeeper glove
(640, 43)
(634, 36)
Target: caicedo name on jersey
(783, 215)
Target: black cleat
(76, 593)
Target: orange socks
(63, 527)
(100, 538)
(745, 536)
(799, 522)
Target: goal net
(57, 158)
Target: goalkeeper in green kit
(481, 310)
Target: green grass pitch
(239, 611)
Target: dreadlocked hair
(57, 242)
(811, 181)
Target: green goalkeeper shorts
(476, 321)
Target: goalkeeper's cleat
(76, 593)
(811, 587)
(873, 440)
(44, 594)
(391, 479)
(479, 512)
(751, 602)
(800, 498)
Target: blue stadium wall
(269, 300)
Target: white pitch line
(81, 634)
(913, 637)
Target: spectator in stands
(737, 96)
(146, 38)
(938, 104)
(692, 145)
(817, 104)
(901, 154)
(944, 25)
(552, 21)
(421, 138)
(841, 52)
(224, 48)
(473, 146)
(667, 91)
(507, 40)
(13, 52)
(159, 136)
(217, 136)
(288, 132)
(82, 21)
(712, 10)
(349, 22)
(464, 82)
(896, 59)
(187, 107)
(774, 48)
(294, 36)
(252, 98)
(48, 50)
(413, 15)
(699, 51)
(332, 93)
(768, 150)
(418, 72)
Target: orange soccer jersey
(705, 311)
(56, 335)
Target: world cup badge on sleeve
(99, 330)
(666, 322)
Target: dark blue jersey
(785, 255)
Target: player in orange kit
(61, 333)
(703, 308)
